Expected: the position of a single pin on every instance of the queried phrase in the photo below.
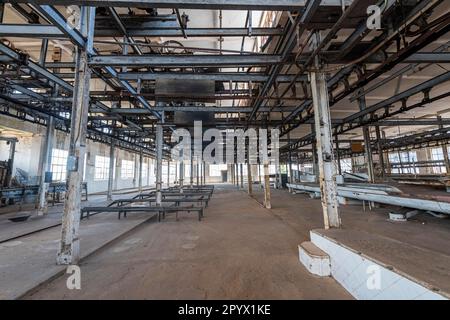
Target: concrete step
(314, 259)
(372, 267)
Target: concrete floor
(244, 251)
(239, 251)
(418, 248)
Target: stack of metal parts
(375, 193)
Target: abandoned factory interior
(225, 150)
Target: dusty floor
(239, 251)
(418, 247)
(244, 251)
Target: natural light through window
(59, 164)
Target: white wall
(28, 152)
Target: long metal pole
(444, 150)
(367, 145)
(327, 166)
(267, 202)
(242, 175)
(232, 173)
(140, 171)
(181, 174)
(159, 152)
(290, 160)
(204, 173)
(168, 173)
(314, 154)
(46, 159)
(338, 156)
(69, 247)
(111, 170)
(176, 172)
(197, 173)
(191, 176)
(380, 151)
(249, 179)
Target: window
(346, 165)
(59, 164)
(101, 168)
(65, 115)
(438, 155)
(308, 168)
(151, 169)
(85, 167)
(127, 170)
(272, 169)
(403, 162)
(144, 170)
(215, 170)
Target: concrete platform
(30, 260)
(418, 248)
(360, 264)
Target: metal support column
(46, 154)
(191, 176)
(69, 248)
(290, 161)
(230, 175)
(2, 12)
(111, 170)
(168, 173)
(181, 179)
(388, 162)
(380, 151)
(249, 178)
(242, 175)
(259, 173)
(367, 145)
(278, 175)
(176, 172)
(43, 53)
(197, 173)
(159, 153)
(140, 172)
(204, 173)
(314, 155)
(327, 165)
(267, 203)
(338, 156)
(444, 149)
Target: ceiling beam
(224, 77)
(165, 61)
(275, 5)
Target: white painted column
(197, 173)
(191, 176)
(242, 175)
(46, 155)
(249, 178)
(367, 145)
(159, 152)
(111, 170)
(324, 140)
(267, 203)
(69, 247)
(140, 171)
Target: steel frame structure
(316, 55)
